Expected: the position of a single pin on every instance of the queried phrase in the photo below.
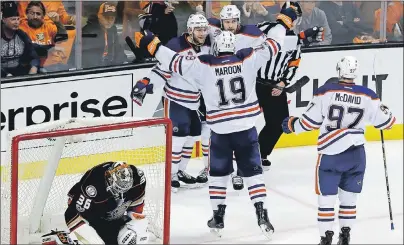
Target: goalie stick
(291, 89)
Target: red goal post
(75, 134)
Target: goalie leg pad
(134, 232)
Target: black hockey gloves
(147, 41)
(311, 35)
(140, 90)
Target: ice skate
(175, 184)
(216, 223)
(344, 236)
(266, 164)
(238, 183)
(327, 239)
(203, 176)
(263, 221)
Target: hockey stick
(130, 43)
(387, 181)
(291, 89)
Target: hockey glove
(140, 90)
(287, 124)
(289, 14)
(311, 35)
(147, 41)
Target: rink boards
(106, 94)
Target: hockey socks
(347, 208)
(177, 148)
(326, 213)
(217, 190)
(256, 188)
(186, 152)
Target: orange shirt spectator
(42, 33)
(51, 7)
(217, 6)
(394, 14)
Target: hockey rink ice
(292, 203)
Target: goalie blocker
(106, 206)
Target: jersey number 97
(336, 115)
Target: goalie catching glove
(140, 90)
(147, 41)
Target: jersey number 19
(237, 88)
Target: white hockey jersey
(226, 82)
(246, 37)
(341, 111)
(177, 88)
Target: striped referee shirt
(284, 65)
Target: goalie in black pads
(106, 205)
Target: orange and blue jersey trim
(309, 124)
(330, 138)
(181, 95)
(387, 124)
(239, 112)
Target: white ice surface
(292, 203)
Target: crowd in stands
(40, 36)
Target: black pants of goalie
(108, 230)
(275, 109)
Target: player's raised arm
(172, 61)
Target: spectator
(105, 49)
(394, 16)
(367, 11)
(18, 56)
(163, 24)
(313, 16)
(344, 21)
(42, 33)
(53, 8)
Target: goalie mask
(119, 178)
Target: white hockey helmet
(196, 20)
(230, 12)
(347, 67)
(225, 43)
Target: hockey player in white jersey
(340, 110)
(246, 36)
(227, 82)
(181, 99)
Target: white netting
(142, 146)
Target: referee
(273, 77)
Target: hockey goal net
(46, 160)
